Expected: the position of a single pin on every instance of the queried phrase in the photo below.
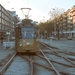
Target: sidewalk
(63, 44)
(5, 52)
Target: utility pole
(58, 30)
(55, 28)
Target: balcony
(61, 22)
(61, 18)
(68, 21)
(64, 20)
(64, 23)
(74, 25)
(64, 16)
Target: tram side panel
(16, 38)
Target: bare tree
(55, 12)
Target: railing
(11, 45)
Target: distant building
(66, 24)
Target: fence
(11, 45)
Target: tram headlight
(27, 43)
(20, 44)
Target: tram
(26, 36)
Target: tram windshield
(27, 33)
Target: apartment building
(7, 22)
(66, 23)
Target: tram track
(52, 55)
(48, 62)
(57, 49)
(28, 68)
(19, 66)
(60, 54)
(30, 59)
(6, 63)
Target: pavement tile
(5, 52)
(67, 45)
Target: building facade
(7, 22)
(66, 24)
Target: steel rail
(61, 55)
(50, 63)
(50, 68)
(3, 69)
(56, 61)
(31, 66)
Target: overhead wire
(7, 3)
(44, 8)
(28, 2)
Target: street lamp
(55, 20)
(45, 33)
(8, 34)
(55, 27)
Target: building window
(0, 26)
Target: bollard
(50, 40)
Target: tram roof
(27, 22)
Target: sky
(39, 8)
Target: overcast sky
(39, 8)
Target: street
(67, 45)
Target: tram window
(27, 33)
